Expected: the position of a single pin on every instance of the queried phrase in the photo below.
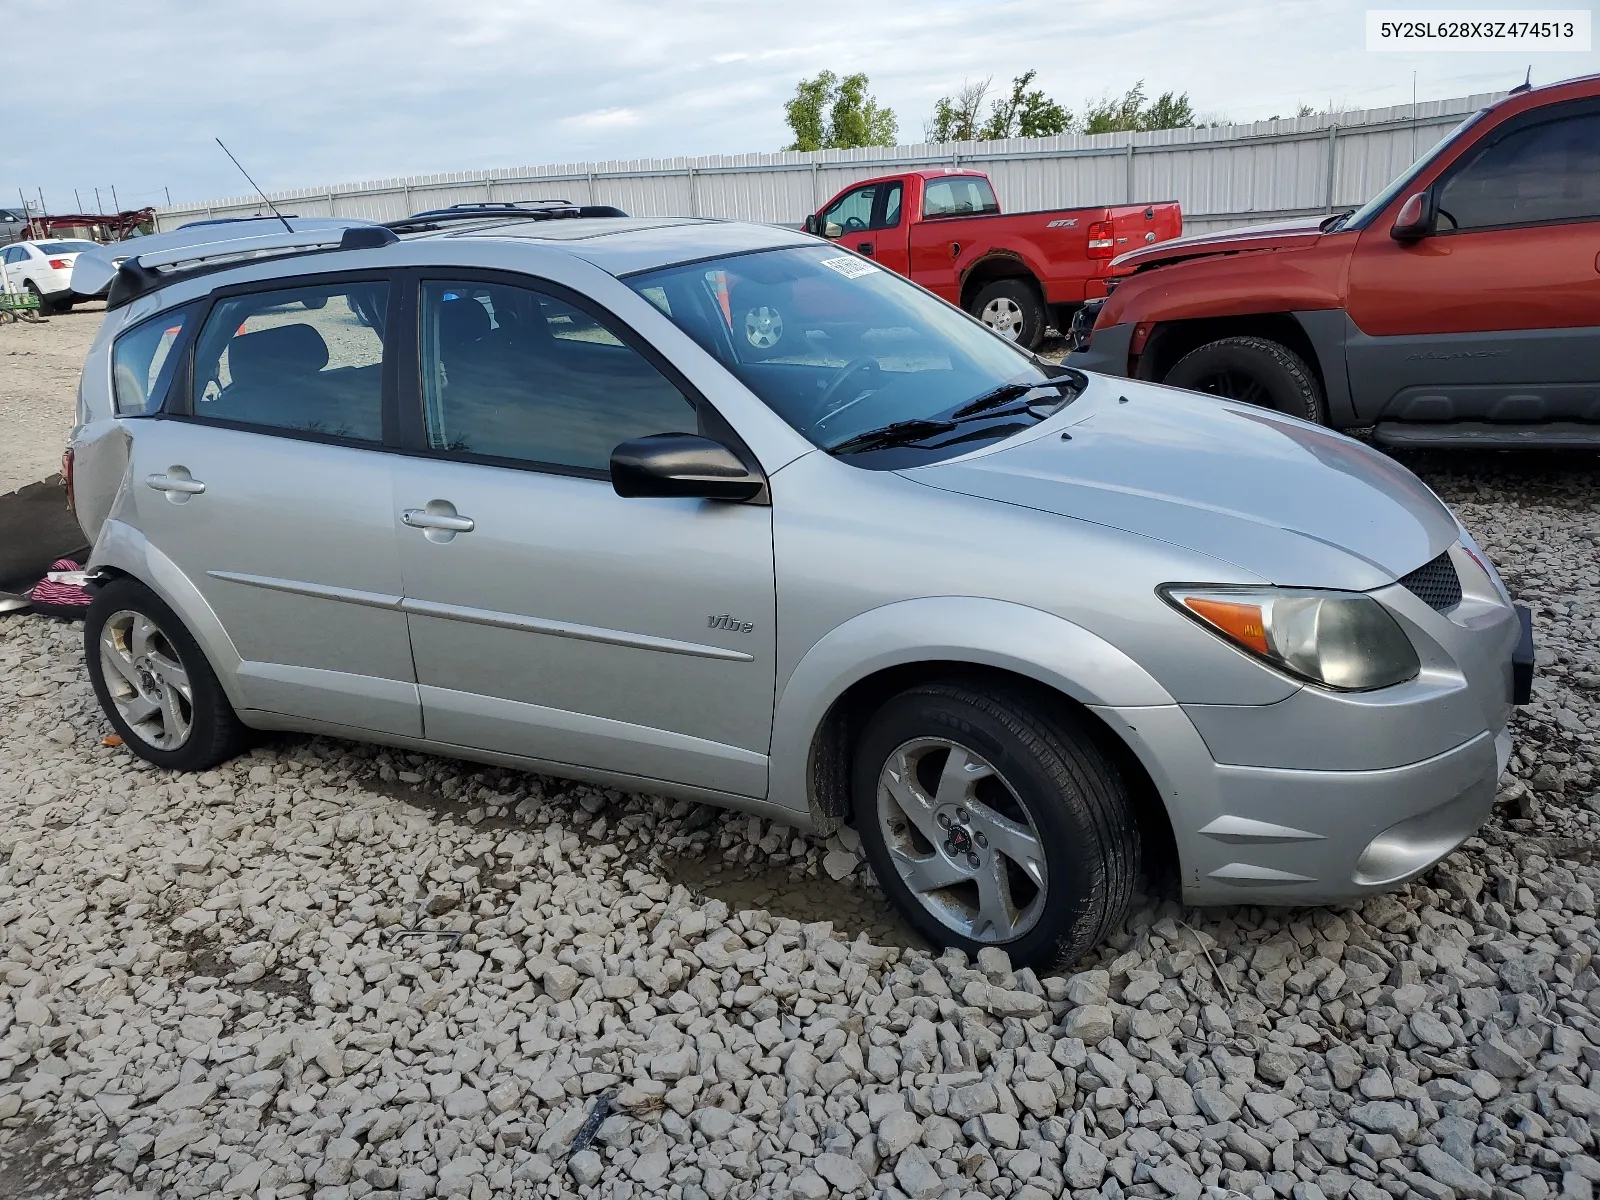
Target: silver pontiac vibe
(723, 512)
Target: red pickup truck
(1016, 272)
(1460, 306)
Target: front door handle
(421, 518)
(864, 248)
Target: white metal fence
(1222, 176)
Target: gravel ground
(39, 389)
(338, 971)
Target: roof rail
(531, 210)
(190, 251)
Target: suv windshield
(854, 357)
(1364, 214)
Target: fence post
(1129, 187)
(592, 199)
(1333, 143)
(694, 206)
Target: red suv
(1459, 306)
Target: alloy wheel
(763, 327)
(961, 840)
(146, 680)
(1004, 316)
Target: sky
(310, 92)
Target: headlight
(1341, 640)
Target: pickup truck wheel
(1253, 370)
(992, 821)
(1012, 308)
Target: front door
(551, 618)
(266, 485)
(1495, 316)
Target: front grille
(1435, 583)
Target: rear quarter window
(143, 362)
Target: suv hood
(1289, 502)
(1279, 235)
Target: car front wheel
(153, 682)
(992, 818)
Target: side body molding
(982, 632)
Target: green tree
(957, 118)
(1132, 112)
(1025, 113)
(830, 113)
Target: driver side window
(852, 212)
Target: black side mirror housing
(1415, 218)
(812, 224)
(683, 465)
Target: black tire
(46, 307)
(215, 733)
(1075, 798)
(1254, 370)
(1020, 293)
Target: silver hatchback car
(719, 511)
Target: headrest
(275, 354)
(462, 321)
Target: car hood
(1291, 503)
(1278, 235)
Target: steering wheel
(854, 225)
(864, 366)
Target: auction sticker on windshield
(848, 266)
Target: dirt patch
(854, 910)
(40, 365)
(31, 1169)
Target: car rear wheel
(154, 684)
(1012, 308)
(993, 819)
(1253, 370)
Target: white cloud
(311, 92)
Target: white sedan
(45, 269)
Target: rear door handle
(421, 518)
(182, 484)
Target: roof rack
(183, 257)
(532, 210)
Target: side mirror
(832, 229)
(682, 465)
(1415, 218)
(812, 224)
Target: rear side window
(960, 196)
(307, 359)
(1539, 173)
(143, 362)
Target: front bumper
(1280, 835)
(1326, 797)
(1107, 353)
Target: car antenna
(1526, 85)
(257, 187)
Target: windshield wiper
(1007, 392)
(896, 433)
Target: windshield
(839, 347)
(1360, 218)
(66, 247)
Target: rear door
(11, 264)
(550, 617)
(266, 484)
(1496, 315)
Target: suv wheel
(1012, 308)
(154, 683)
(993, 821)
(1253, 370)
